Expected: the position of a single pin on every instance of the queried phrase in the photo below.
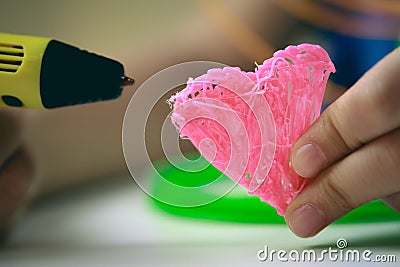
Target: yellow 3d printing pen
(38, 72)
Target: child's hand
(352, 152)
(15, 169)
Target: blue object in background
(354, 56)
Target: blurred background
(76, 145)
(80, 143)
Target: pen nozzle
(126, 81)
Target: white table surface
(115, 224)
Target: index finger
(366, 111)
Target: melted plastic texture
(245, 123)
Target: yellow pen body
(20, 66)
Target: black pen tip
(126, 81)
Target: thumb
(369, 173)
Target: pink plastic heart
(245, 123)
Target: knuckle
(337, 138)
(387, 154)
(333, 195)
(392, 148)
(16, 178)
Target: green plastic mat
(237, 205)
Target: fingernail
(309, 160)
(306, 221)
